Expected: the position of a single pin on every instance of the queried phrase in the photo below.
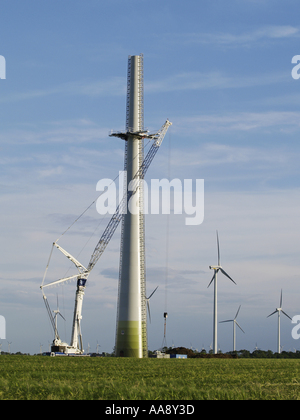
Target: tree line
(194, 354)
(246, 354)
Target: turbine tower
(131, 331)
(279, 310)
(216, 269)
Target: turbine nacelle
(216, 270)
(278, 310)
(218, 267)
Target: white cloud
(65, 131)
(213, 80)
(58, 170)
(240, 121)
(265, 33)
(114, 86)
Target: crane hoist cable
(76, 220)
(167, 230)
(164, 341)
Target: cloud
(263, 34)
(58, 170)
(240, 121)
(114, 86)
(110, 273)
(174, 278)
(211, 80)
(65, 132)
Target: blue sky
(221, 72)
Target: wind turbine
(234, 324)
(216, 269)
(148, 304)
(256, 348)
(279, 310)
(56, 312)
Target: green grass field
(41, 378)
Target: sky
(221, 72)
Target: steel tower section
(131, 330)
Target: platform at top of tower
(139, 134)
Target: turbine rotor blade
(152, 293)
(227, 275)
(286, 314)
(281, 299)
(148, 306)
(228, 320)
(61, 315)
(212, 279)
(240, 327)
(272, 313)
(218, 248)
(238, 312)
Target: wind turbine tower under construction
(131, 329)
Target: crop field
(68, 378)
